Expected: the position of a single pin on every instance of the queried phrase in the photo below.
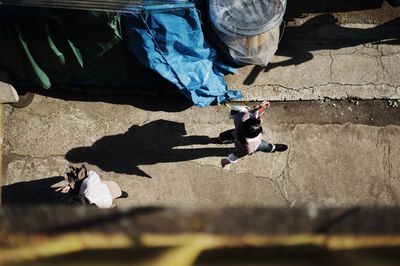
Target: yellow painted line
(333, 242)
(36, 247)
(182, 249)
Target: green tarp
(47, 47)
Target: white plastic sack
(249, 28)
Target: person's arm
(230, 159)
(70, 183)
(72, 188)
(239, 152)
(259, 110)
(64, 189)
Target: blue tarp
(171, 42)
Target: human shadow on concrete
(296, 9)
(323, 33)
(159, 141)
(33, 193)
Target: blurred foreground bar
(237, 236)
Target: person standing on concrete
(247, 134)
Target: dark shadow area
(117, 95)
(296, 9)
(366, 112)
(243, 236)
(298, 255)
(323, 33)
(115, 256)
(33, 193)
(155, 142)
(234, 221)
(278, 255)
(273, 255)
(102, 219)
(332, 221)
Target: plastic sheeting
(98, 5)
(171, 42)
(249, 29)
(47, 48)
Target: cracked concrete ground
(341, 154)
(335, 55)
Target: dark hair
(79, 200)
(251, 128)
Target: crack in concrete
(282, 189)
(237, 173)
(313, 87)
(385, 142)
(382, 65)
(284, 176)
(262, 177)
(389, 54)
(357, 50)
(259, 177)
(276, 86)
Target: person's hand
(65, 189)
(225, 163)
(266, 103)
(262, 107)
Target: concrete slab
(339, 74)
(347, 160)
(341, 154)
(334, 50)
(163, 153)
